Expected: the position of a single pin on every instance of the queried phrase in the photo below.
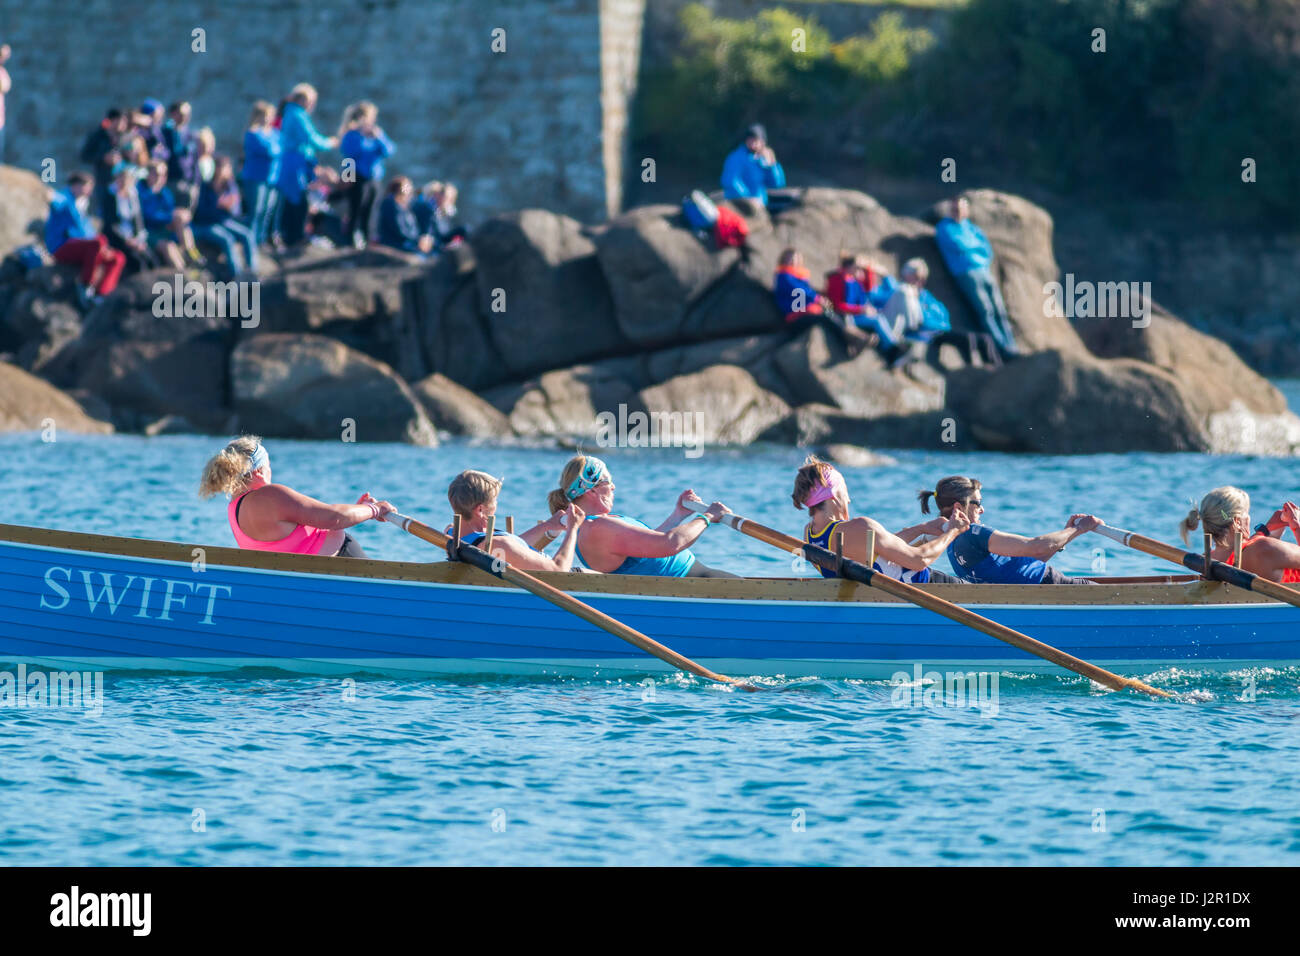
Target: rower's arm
(629, 541)
(1043, 547)
(893, 548)
(289, 505)
(525, 558)
(1270, 557)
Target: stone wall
(540, 124)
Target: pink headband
(824, 491)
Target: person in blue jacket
(981, 555)
(751, 169)
(216, 220)
(260, 171)
(397, 227)
(299, 143)
(364, 144)
(969, 257)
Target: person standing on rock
(260, 171)
(819, 487)
(362, 140)
(617, 544)
(969, 257)
(299, 143)
(71, 241)
(984, 556)
(268, 517)
(751, 169)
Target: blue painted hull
(71, 608)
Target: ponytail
(1188, 524)
(556, 500)
(924, 497)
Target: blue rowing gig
(74, 601)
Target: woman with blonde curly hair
(271, 517)
(1226, 511)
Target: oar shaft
(856, 571)
(495, 566)
(1194, 562)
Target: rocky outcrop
(28, 403)
(310, 386)
(541, 327)
(25, 200)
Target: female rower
(473, 496)
(819, 487)
(267, 517)
(985, 556)
(618, 544)
(1225, 511)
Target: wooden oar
(1196, 563)
(856, 571)
(496, 567)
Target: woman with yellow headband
(819, 487)
(267, 517)
(618, 544)
(984, 556)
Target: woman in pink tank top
(269, 517)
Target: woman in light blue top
(618, 544)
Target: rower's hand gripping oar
(856, 571)
(498, 568)
(1195, 563)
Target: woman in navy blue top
(984, 556)
(363, 143)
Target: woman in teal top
(618, 544)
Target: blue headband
(258, 459)
(592, 474)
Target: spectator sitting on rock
(969, 257)
(924, 319)
(216, 219)
(124, 222)
(362, 141)
(803, 306)
(161, 223)
(260, 170)
(99, 152)
(71, 241)
(398, 228)
(182, 151)
(751, 169)
(205, 156)
(299, 143)
(435, 211)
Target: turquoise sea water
(509, 771)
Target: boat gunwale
(1160, 590)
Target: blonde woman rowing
(1226, 511)
(269, 517)
(618, 544)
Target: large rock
(721, 405)
(1058, 403)
(567, 402)
(657, 268)
(145, 365)
(542, 293)
(815, 369)
(453, 408)
(25, 201)
(28, 403)
(310, 386)
(41, 315)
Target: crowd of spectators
(164, 195)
